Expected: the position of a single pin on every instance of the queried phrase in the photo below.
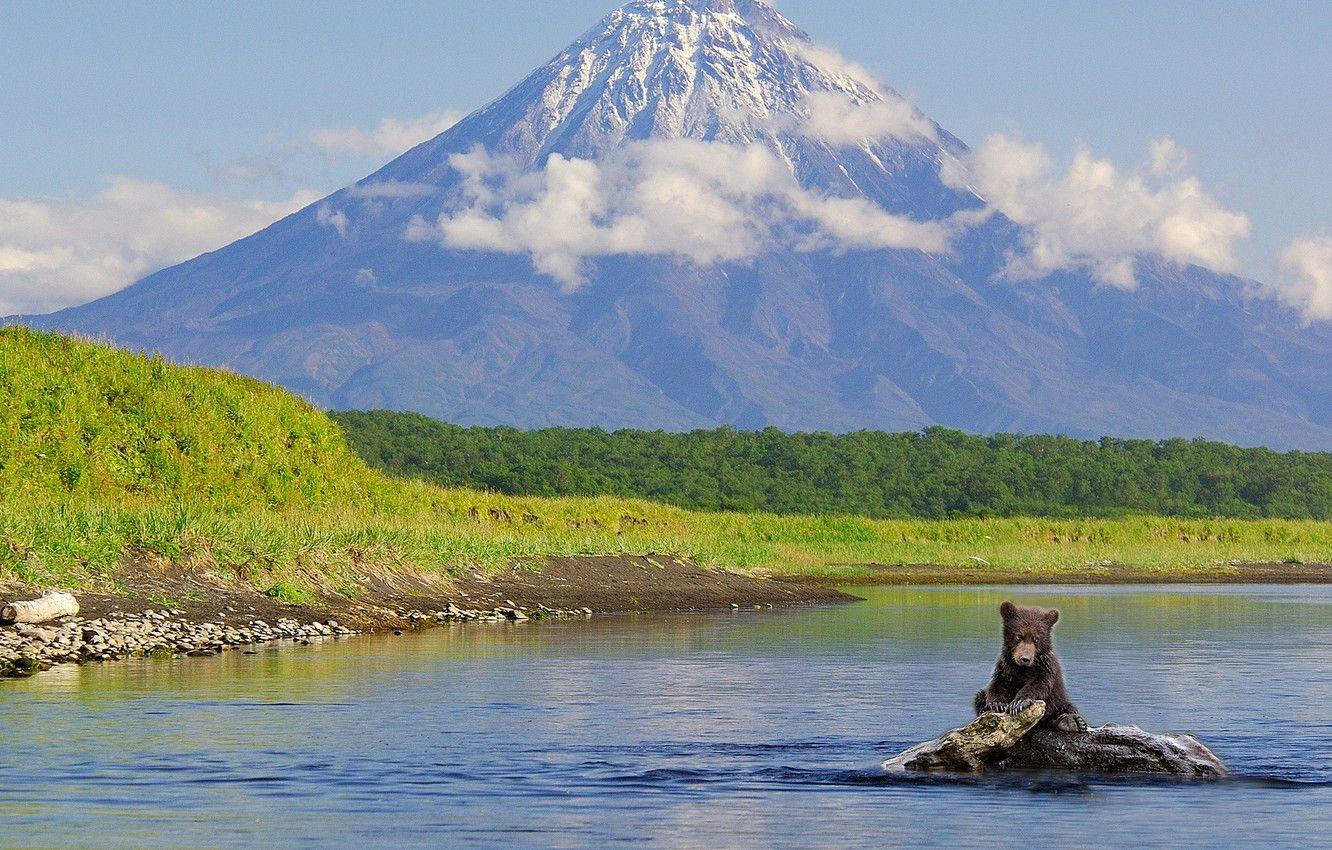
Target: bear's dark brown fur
(1028, 670)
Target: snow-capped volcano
(696, 215)
(729, 71)
(735, 72)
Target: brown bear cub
(1027, 670)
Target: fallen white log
(49, 606)
(972, 747)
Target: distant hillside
(936, 473)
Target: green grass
(111, 460)
(87, 422)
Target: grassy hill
(111, 462)
(86, 422)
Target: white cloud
(706, 202)
(392, 136)
(1095, 218)
(857, 107)
(1167, 158)
(249, 171)
(367, 277)
(1305, 281)
(420, 230)
(840, 120)
(391, 189)
(337, 221)
(848, 73)
(56, 253)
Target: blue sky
(225, 103)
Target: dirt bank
(605, 584)
(629, 583)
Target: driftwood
(973, 746)
(996, 741)
(49, 606)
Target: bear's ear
(1052, 617)
(1007, 610)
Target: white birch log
(970, 748)
(47, 607)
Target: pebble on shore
(26, 648)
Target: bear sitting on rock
(1028, 670)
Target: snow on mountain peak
(733, 71)
(708, 130)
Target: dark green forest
(934, 473)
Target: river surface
(748, 729)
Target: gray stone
(995, 741)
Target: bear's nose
(1024, 660)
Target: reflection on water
(748, 729)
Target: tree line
(934, 473)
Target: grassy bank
(111, 462)
(294, 552)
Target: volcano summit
(695, 215)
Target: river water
(748, 729)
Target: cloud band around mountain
(1305, 278)
(705, 202)
(713, 202)
(1096, 218)
(839, 120)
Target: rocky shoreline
(26, 649)
(198, 614)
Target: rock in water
(1003, 741)
(973, 746)
(1114, 749)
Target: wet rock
(20, 667)
(999, 741)
(1114, 749)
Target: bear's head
(1027, 633)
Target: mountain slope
(338, 303)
